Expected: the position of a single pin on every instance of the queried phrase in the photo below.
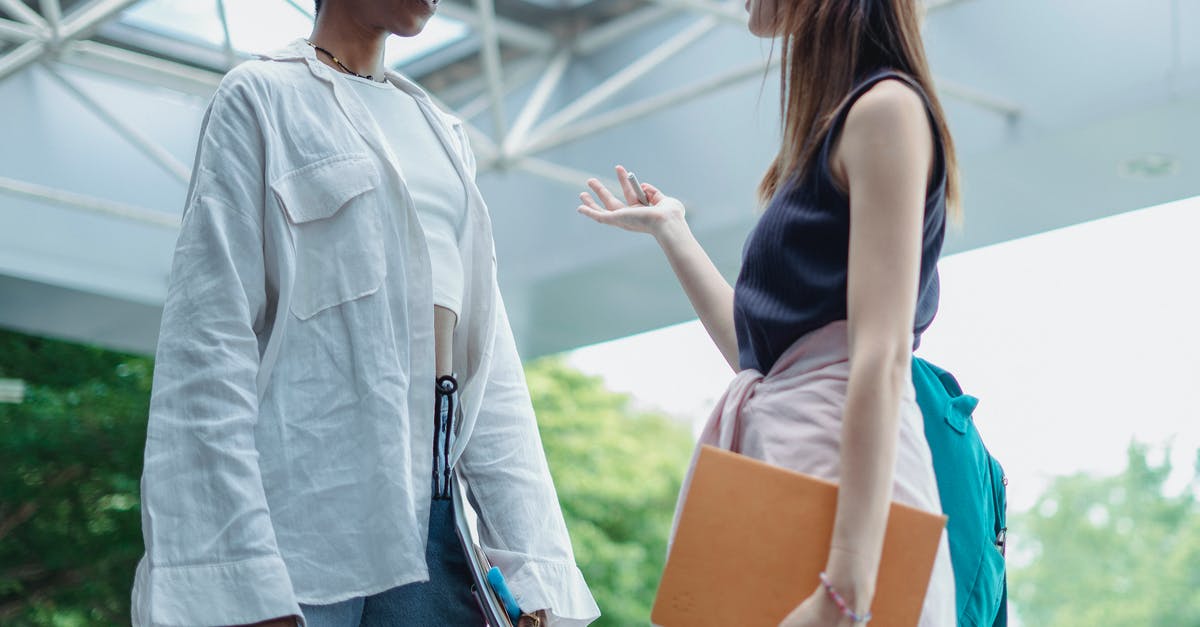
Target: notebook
(490, 604)
(753, 538)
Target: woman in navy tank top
(838, 280)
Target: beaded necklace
(339, 62)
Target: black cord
(339, 62)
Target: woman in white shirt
(335, 260)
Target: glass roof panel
(191, 21)
(264, 25)
(257, 26)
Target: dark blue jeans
(447, 598)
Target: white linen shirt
(288, 452)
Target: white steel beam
(484, 148)
(140, 67)
(537, 100)
(21, 56)
(82, 21)
(491, 67)
(135, 137)
(733, 12)
(89, 203)
(555, 132)
(1006, 108)
(480, 142)
(52, 12)
(622, 79)
(642, 108)
(612, 31)
(568, 176)
(78, 24)
(509, 31)
(18, 32)
(480, 103)
(517, 73)
(22, 12)
(721, 10)
(227, 41)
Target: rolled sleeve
(211, 554)
(521, 524)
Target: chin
(412, 26)
(767, 28)
(409, 31)
(760, 30)
(410, 16)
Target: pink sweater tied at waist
(791, 417)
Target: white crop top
(434, 184)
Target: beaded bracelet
(841, 603)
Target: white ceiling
(86, 214)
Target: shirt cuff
(234, 593)
(557, 587)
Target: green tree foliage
(70, 530)
(71, 458)
(1115, 551)
(618, 473)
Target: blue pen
(496, 579)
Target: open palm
(629, 214)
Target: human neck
(359, 47)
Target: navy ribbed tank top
(794, 265)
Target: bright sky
(1076, 341)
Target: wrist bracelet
(841, 603)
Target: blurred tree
(70, 530)
(618, 473)
(1114, 551)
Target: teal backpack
(972, 488)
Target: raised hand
(630, 214)
(711, 295)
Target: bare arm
(884, 157)
(711, 295)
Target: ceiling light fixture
(1149, 166)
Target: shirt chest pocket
(335, 215)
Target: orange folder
(753, 539)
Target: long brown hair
(827, 45)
